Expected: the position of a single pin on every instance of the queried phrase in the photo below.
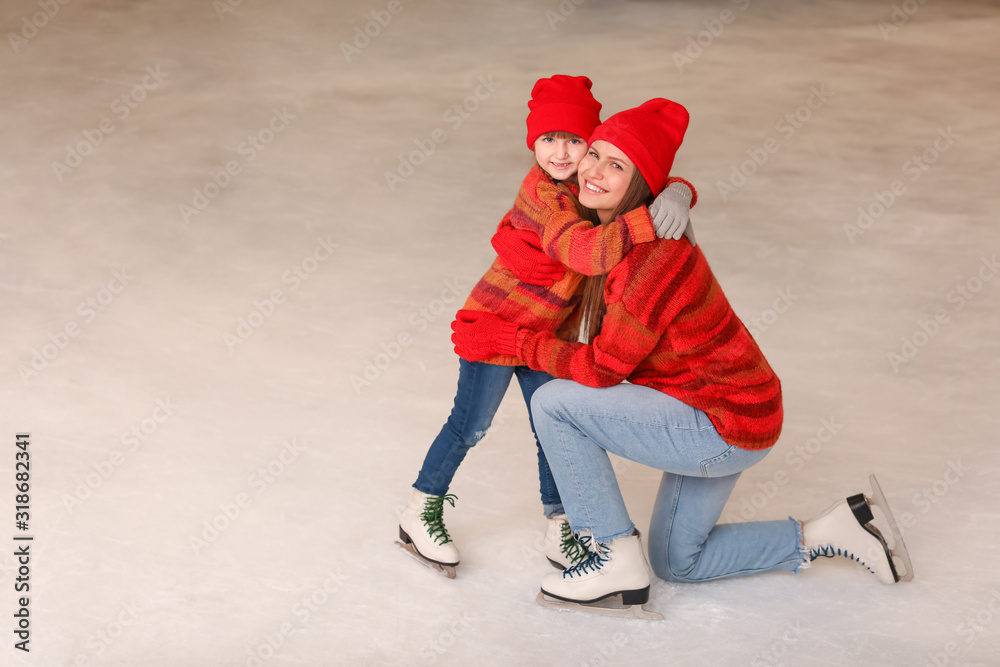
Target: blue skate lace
(595, 560)
(830, 552)
(571, 546)
(432, 517)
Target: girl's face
(605, 174)
(559, 156)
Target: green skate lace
(570, 546)
(595, 560)
(432, 517)
(830, 552)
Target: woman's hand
(480, 336)
(670, 212)
(521, 251)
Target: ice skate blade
(444, 570)
(603, 608)
(900, 557)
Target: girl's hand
(521, 251)
(479, 336)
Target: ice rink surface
(233, 236)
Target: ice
(154, 412)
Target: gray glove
(670, 211)
(689, 233)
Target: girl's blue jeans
(579, 425)
(481, 387)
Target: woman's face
(604, 176)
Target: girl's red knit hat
(649, 135)
(562, 104)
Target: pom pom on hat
(649, 135)
(562, 104)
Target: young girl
(563, 113)
(702, 404)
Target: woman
(702, 403)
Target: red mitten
(521, 251)
(480, 336)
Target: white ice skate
(562, 547)
(422, 533)
(613, 581)
(848, 529)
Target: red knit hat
(649, 135)
(562, 104)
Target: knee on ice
(675, 569)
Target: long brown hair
(592, 304)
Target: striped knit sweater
(545, 209)
(669, 327)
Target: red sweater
(542, 207)
(669, 326)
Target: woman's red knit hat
(649, 135)
(562, 104)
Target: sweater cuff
(507, 341)
(519, 339)
(694, 193)
(639, 224)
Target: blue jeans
(481, 387)
(579, 425)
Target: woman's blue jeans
(481, 387)
(579, 425)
